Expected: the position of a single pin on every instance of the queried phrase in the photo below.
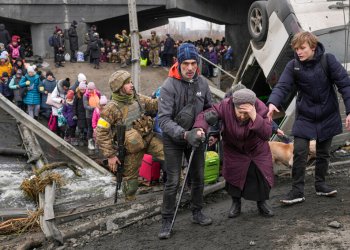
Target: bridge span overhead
(38, 18)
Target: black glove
(193, 138)
(211, 117)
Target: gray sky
(196, 24)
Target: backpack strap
(324, 64)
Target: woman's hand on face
(249, 109)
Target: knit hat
(243, 96)
(58, 29)
(31, 69)
(19, 72)
(103, 100)
(70, 94)
(14, 38)
(82, 85)
(187, 51)
(81, 77)
(91, 85)
(238, 87)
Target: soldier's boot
(130, 188)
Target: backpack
(15, 51)
(51, 41)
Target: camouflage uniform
(154, 50)
(130, 114)
(123, 48)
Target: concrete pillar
(238, 37)
(40, 36)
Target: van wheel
(258, 21)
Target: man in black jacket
(4, 35)
(184, 86)
(73, 41)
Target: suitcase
(211, 167)
(149, 169)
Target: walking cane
(182, 189)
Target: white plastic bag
(67, 57)
(80, 56)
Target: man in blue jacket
(313, 73)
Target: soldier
(127, 107)
(154, 52)
(124, 43)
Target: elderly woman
(247, 166)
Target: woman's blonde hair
(300, 38)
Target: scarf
(125, 99)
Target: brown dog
(282, 153)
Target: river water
(91, 185)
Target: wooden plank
(10, 213)
(46, 199)
(75, 155)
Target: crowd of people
(154, 51)
(186, 113)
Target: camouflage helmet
(117, 79)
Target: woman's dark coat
(243, 143)
(79, 110)
(73, 38)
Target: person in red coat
(247, 164)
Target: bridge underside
(111, 17)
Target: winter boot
(292, 197)
(322, 189)
(129, 188)
(165, 230)
(235, 209)
(264, 209)
(91, 144)
(199, 218)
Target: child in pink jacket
(96, 114)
